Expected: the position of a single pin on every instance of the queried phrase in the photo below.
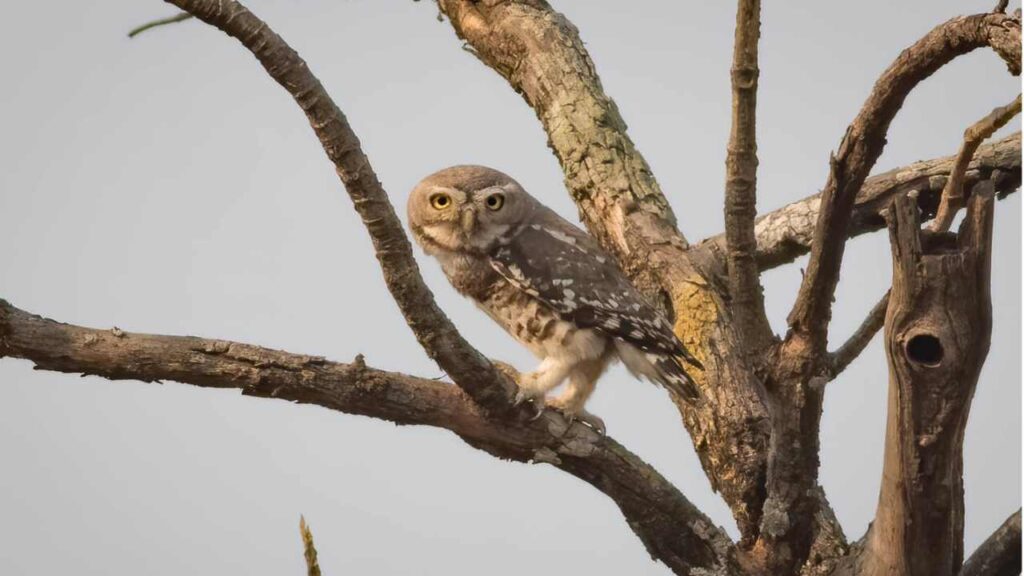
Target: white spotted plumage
(547, 283)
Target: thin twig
(309, 550)
(952, 199)
(860, 338)
(741, 182)
(161, 22)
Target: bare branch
(741, 183)
(937, 332)
(161, 22)
(673, 530)
(861, 147)
(433, 329)
(953, 197)
(785, 234)
(541, 55)
(861, 337)
(309, 550)
(1000, 554)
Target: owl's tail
(659, 368)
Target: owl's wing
(565, 268)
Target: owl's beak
(468, 221)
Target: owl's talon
(520, 398)
(540, 412)
(595, 422)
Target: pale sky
(166, 184)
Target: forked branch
(862, 145)
(785, 234)
(673, 530)
(433, 329)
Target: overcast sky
(166, 185)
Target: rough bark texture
(785, 234)
(756, 428)
(863, 144)
(433, 329)
(1000, 554)
(670, 526)
(541, 55)
(937, 333)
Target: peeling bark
(785, 234)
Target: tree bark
(785, 234)
(670, 526)
(540, 53)
(937, 333)
(741, 185)
(434, 331)
(1000, 554)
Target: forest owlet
(547, 283)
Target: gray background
(167, 185)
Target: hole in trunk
(925, 349)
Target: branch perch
(670, 526)
(861, 147)
(540, 53)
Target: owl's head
(466, 209)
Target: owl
(548, 284)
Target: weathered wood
(672, 528)
(741, 185)
(937, 333)
(785, 234)
(540, 53)
(434, 331)
(999, 554)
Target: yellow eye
(495, 201)
(440, 201)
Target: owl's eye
(495, 201)
(440, 201)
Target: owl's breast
(471, 275)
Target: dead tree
(757, 429)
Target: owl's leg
(582, 381)
(552, 371)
